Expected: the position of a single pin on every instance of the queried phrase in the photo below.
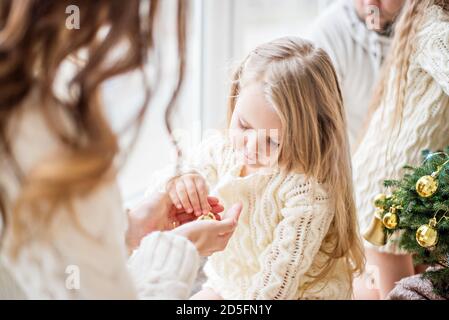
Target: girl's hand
(189, 191)
(157, 213)
(210, 236)
(180, 216)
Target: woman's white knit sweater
(384, 150)
(87, 260)
(276, 246)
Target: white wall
(232, 28)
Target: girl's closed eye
(242, 125)
(273, 142)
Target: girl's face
(255, 128)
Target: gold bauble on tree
(426, 186)
(427, 234)
(390, 219)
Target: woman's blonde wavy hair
(34, 42)
(300, 81)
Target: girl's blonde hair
(300, 81)
(398, 60)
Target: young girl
(286, 160)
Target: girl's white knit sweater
(384, 150)
(276, 247)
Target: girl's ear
(233, 96)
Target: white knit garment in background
(275, 247)
(357, 54)
(164, 267)
(425, 121)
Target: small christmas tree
(417, 211)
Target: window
(231, 28)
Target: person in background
(357, 37)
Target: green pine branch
(417, 211)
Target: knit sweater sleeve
(433, 48)
(210, 158)
(297, 239)
(82, 256)
(207, 159)
(164, 267)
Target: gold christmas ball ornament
(426, 186)
(207, 216)
(427, 234)
(390, 220)
(379, 200)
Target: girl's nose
(251, 142)
(376, 3)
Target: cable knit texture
(276, 246)
(89, 243)
(384, 150)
